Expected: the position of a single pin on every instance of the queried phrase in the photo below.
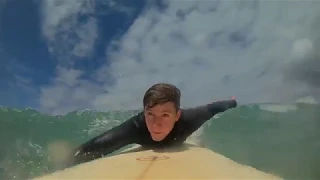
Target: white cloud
(66, 30)
(67, 92)
(117, 6)
(26, 84)
(209, 49)
(71, 31)
(302, 48)
(68, 77)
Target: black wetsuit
(134, 130)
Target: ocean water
(279, 139)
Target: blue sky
(58, 56)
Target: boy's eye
(165, 115)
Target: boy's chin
(158, 137)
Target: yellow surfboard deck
(187, 162)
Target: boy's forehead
(160, 109)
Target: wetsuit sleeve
(195, 117)
(106, 143)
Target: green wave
(280, 139)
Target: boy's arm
(106, 143)
(199, 115)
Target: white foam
(277, 107)
(4, 109)
(307, 100)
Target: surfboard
(186, 162)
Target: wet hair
(162, 93)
